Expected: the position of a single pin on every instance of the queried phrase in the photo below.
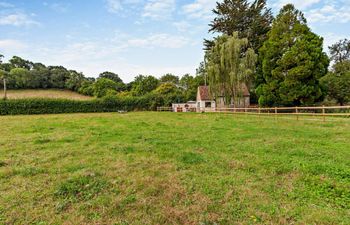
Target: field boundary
(316, 111)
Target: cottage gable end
(203, 94)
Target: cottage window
(207, 104)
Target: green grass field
(168, 168)
(44, 93)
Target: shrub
(337, 86)
(87, 88)
(102, 86)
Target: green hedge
(56, 106)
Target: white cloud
(299, 4)
(159, 41)
(159, 9)
(86, 56)
(17, 19)
(81, 51)
(6, 5)
(58, 7)
(326, 11)
(10, 45)
(93, 58)
(200, 9)
(330, 39)
(114, 6)
(182, 26)
(329, 13)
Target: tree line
(23, 74)
(279, 59)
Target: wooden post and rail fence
(317, 111)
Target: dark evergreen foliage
(293, 61)
(251, 20)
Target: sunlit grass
(168, 168)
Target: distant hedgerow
(56, 106)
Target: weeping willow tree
(230, 65)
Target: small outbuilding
(184, 107)
(205, 101)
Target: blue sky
(132, 37)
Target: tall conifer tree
(293, 61)
(251, 21)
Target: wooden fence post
(324, 113)
(275, 112)
(297, 112)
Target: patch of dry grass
(44, 93)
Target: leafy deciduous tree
(74, 80)
(58, 76)
(18, 62)
(166, 88)
(115, 77)
(337, 86)
(169, 78)
(20, 76)
(340, 51)
(112, 76)
(337, 82)
(87, 88)
(103, 85)
(144, 84)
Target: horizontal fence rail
(321, 111)
(164, 109)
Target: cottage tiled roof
(204, 93)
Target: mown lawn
(167, 168)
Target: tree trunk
(5, 89)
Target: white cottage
(204, 100)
